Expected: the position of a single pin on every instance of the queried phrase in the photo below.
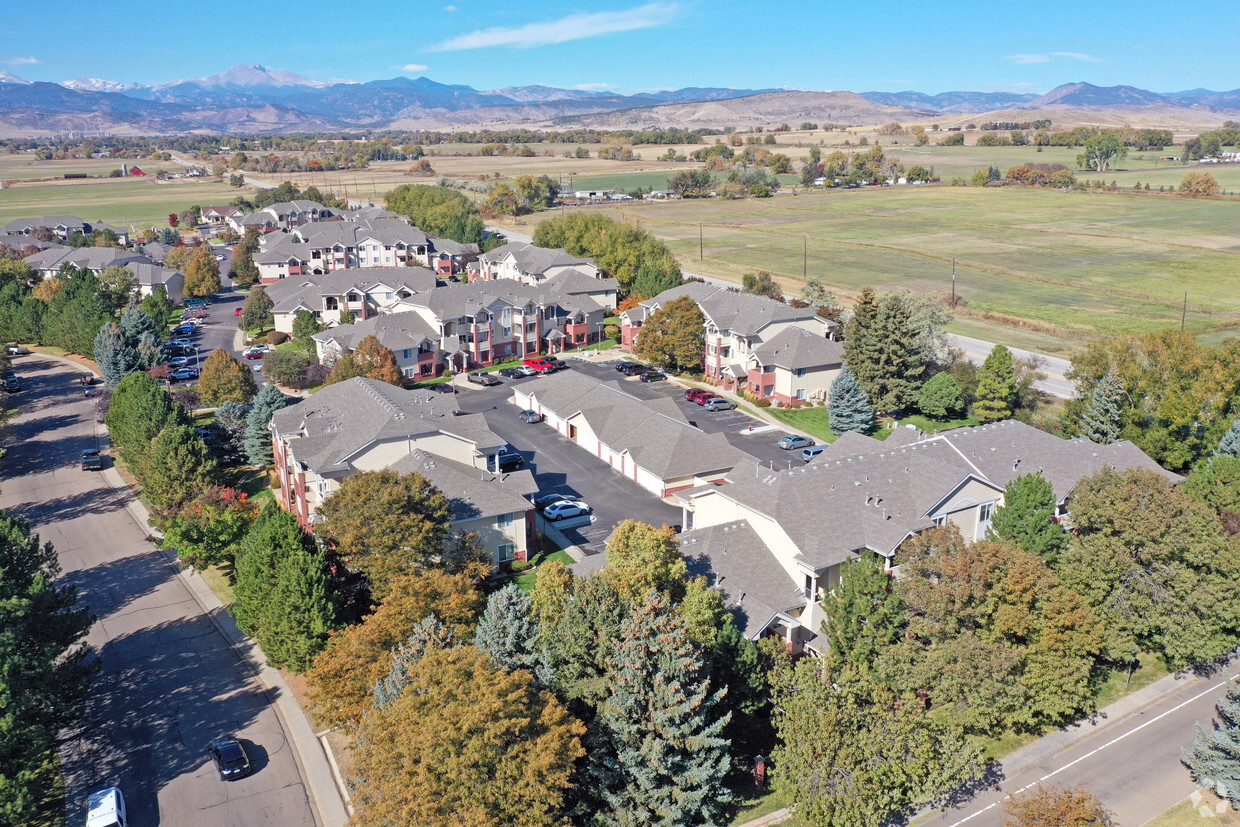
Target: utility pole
(700, 254)
(1184, 312)
(953, 284)
(804, 257)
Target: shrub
(762, 403)
(518, 566)
(275, 337)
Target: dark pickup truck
(91, 461)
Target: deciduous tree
(177, 470)
(1199, 183)
(410, 536)
(1055, 807)
(674, 336)
(377, 362)
(207, 530)
(761, 284)
(286, 367)
(158, 307)
(641, 557)
(466, 743)
(202, 274)
(428, 634)
(140, 409)
(225, 378)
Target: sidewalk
(315, 765)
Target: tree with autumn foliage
(641, 557)
(343, 678)
(225, 378)
(207, 529)
(673, 337)
(377, 362)
(202, 273)
(1056, 807)
(411, 534)
(466, 743)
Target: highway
(170, 681)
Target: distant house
(136, 172)
(218, 216)
(150, 276)
(62, 226)
(337, 245)
(413, 342)
(49, 261)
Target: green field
(125, 202)
(1070, 266)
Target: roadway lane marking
(1096, 750)
(761, 429)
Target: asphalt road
(170, 682)
(1131, 764)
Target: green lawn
(933, 426)
(1057, 268)
(813, 421)
(1117, 684)
(135, 203)
(1194, 811)
(527, 579)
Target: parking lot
(561, 466)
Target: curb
(313, 764)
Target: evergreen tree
(244, 270)
(1229, 445)
(275, 534)
(581, 644)
(430, 633)
(169, 237)
(1100, 421)
(135, 322)
(738, 667)
(150, 351)
(305, 325)
(230, 422)
(849, 408)
(114, 355)
(300, 612)
(1027, 517)
(225, 379)
(177, 469)
(896, 383)
(508, 632)
(863, 613)
(662, 756)
(257, 436)
(816, 293)
(862, 349)
(996, 386)
(1214, 760)
(940, 397)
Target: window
(503, 521)
(809, 585)
(407, 353)
(427, 369)
(800, 393)
(940, 520)
(507, 551)
(985, 512)
(800, 373)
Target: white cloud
(450, 8)
(20, 61)
(573, 27)
(1029, 58)
(1079, 56)
(411, 67)
(594, 87)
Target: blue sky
(628, 46)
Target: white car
(106, 808)
(564, 510)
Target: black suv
(508, 462)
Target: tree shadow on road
(93, 502)
(164, 693)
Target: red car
(237, 311)
(540, 365)
(698, 395)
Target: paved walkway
(313, 761)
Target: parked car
(546, 500)
(564, 510)
(237, 311)
(699, 395)
(442, 387)
(106, 808)
(539, 365)
(622, 366)
(12, 384)
(230, 758)
(254, 352)
(480, 377)
(718, 403)
(181, 374)
(653, 376)
(556, 363)
(791, 441)
(91, 460)
(178, 362)
(507, 462)
(812, 451)
(531, 417)
(17, 350)
(181, 341)
(263, 346)
(632, 369)
(184, 330)
(517, 372)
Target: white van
(106, 808)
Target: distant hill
(764, 109)
(951, 101)
(1079, 95)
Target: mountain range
(256, 98)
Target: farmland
(1048, 269)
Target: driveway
(170, 682)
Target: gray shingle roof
(395, 331)
(654, 432)
(471, 493)
(453, 301)
(536, 260)
(1010, 449)
(333, 424)
(351, 233)
(152, 274)
(288, 294)
(797, 347)
(70, 222)
(742, 313)
(94, 258)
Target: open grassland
(125, 202)
(1058, 267)
(23, 166)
